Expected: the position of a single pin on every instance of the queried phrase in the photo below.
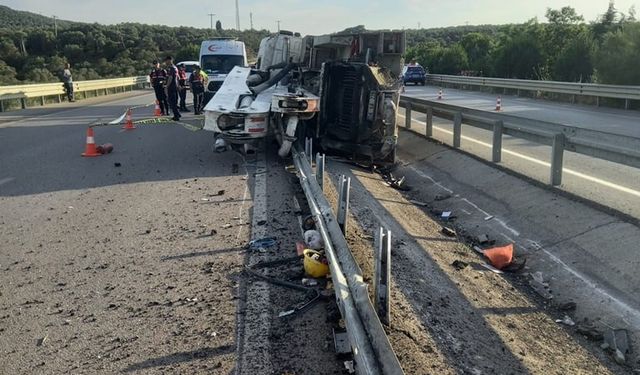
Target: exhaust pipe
(288, 136)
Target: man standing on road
(182, 80)
(172, 87)
(68, 82)
(158, 77)
(197, 81)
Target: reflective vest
(158, 76)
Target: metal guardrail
(579, 89)
(607, 146)
(372, 350)
(24, 92)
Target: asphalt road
(609, 184)
(133, 261)
(610, 120)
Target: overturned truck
(341, 90)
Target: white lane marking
(486, 214)
(587, 177)
(423, 175)
(6, 180)
(628, 311)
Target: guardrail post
(1, 105)
(42, 101)
(407, 116)
(382, 275)
(429, 132)
(597, 101)
(457, 129)
(320, 170)
(343, 203)
(626, 104)
(308, 149)
(59, 99)
(23, 103)
(557, 153)
(498, 127)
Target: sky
(312, 16)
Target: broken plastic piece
(566, 321)
(262, 243)
(286, 313)
(617, 341)
(313, 239)
(448, 232)
(500, 257)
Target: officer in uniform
(172, 87)
(197, 82)
(182, 80)
(158, 77)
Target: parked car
(415, 74)
(189, 65)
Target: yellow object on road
(313, 266)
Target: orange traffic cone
(90, 149)
(499, 104)
(440, 94)
(128, 125)
(500, 257)
(157, 112)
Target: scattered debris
(459, 265)
(590, 332)
(220, 145)
(313, 239)
(566, 320)
(478, 250)
(117, 165)
(418, 203)
(488, 218)
(227, 226)
(617, 342)
(391, 180)
(442, 197)
(569, 306)
(211, 233)
(491, 268)
(309, 223)
(540, 286)
(261, 222)
(282, 314)
(41, 341)
(448, 232)
(348, 365)
(315, 264)
(235, 168)
(309, 282)
(219, 193)
(446, 215)
(500, 257)
(261, 244)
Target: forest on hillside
(564, 47)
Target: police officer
(182, 80)
(197, 82)
(172, 87)
(158, 77)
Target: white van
(217, 58)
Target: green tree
(478, 48)
(7, 74)
(520, 53)
(575, 61)
(617, 57)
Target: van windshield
(220, 64)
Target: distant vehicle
(217, 58)
(189, 65)
(415, 74)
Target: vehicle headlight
(228, 122)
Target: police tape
(153, 121)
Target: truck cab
(217, 58)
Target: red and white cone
(90, 149)
(499, 104)
(440, 94)
(128, 125)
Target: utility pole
(55, 25)
(278, 21)
(251, 19)
(237, 16)
(211, 18)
